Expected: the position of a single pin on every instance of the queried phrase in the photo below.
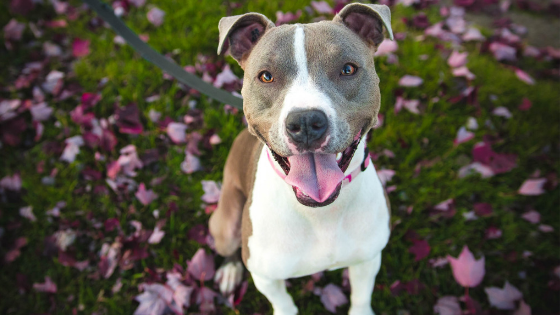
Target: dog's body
(299, 193)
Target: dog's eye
(266, 77)
(348, 69)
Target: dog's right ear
(241, 32)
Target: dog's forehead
(324, 41)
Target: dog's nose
(305, 127)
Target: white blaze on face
(303, 94)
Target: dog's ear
(367, 21)
(241, 32)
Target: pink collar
(346, 180)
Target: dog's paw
(229, 276)
(363, 310)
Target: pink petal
(386, 47)
(12, 183)
(532, 187)
(463, 136)
(493, 233)
(191, 163)
(545, 228)
(80, 48)
(27, 212)
(473, 34)
(523, 76)
(502, 111)
(225, 77)
(525, 104)
(385, 176)
(412, 106)
(48, 286)
(410, 81)
(502, 51)
(420, 249)
(177, 132)
(448, 305)
(13, 30)
(322, 7)
(467, 271)
(145, 196)
(202, 267)
(532, 216)
(41, 111)
(444, 205)
(215, 139)
(463, 72)
(503, 299)
(283, 18)
(523, 309)
(156, 236)
(457, 59)
(154, 299)
(211, 191)
(155, 16)
(332, 296)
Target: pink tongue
(317, 175)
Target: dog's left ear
(367, 21)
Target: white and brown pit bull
(299, 193)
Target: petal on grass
(532, 187)
(410, 81)
(467, 271)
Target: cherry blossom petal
(80, 48)
(532, 187)
(523, 309)
(523, 76)
(332, 297)
(545, 228)
(191, 163)
(156, 236)
(420, 249)
(385, 176)
(386, 47)
(155, 16)
(48, 286)
(473, 34)
(154, 299)
(322, 7)
(225, 77)
(410, 81)
(532, 216)
(202, 267)
(463, 136)
(463, 72)
(211, 191)
(457, 59)
(503, 299)
(177, 132)
(448, 305)
(27, 212)
(145, 196)
(13, 30)
(502, 111)
(467, 271)
(283, 18)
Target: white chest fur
(291, 240)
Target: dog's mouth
(316, 178)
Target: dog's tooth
(338, 156)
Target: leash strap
(106, 13)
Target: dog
(300, 194)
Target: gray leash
(106, 13)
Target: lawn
(90, 216)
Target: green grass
(190, 29)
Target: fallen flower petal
(503, 299)
(48, 286)
(532, 216)
(448, 305)
(523, 76)
(322, 7)
(463, 72)
(502, 111)
(532, 187)
(145, 196)
(457, 59)
(211, 191)
(467, 271)
(177, 132)
(156, 236)
(523, 309)
(463, 136)
(410, 81)
(27, 212)
(332, 297)
(202, 267)
(155, 16)
(80, 48)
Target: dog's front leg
(275, 292)
(362, 280)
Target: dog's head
(310, 92)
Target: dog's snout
(306, 127)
